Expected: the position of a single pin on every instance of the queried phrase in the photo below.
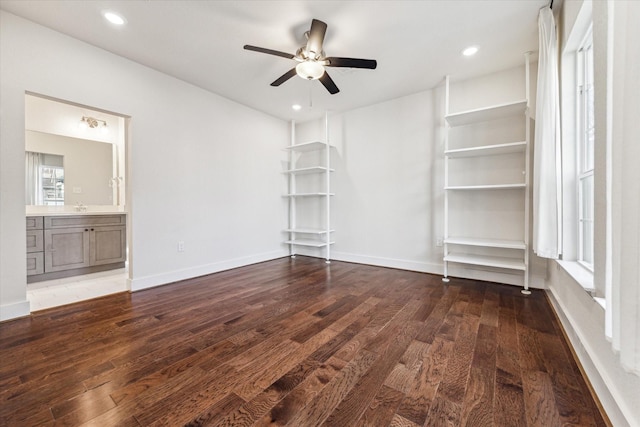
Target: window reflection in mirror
(44, 179)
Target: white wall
(386, 175)
(88, 166)
(199, 174)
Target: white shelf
(308, 230)
(486, 114)
(488, 150)
(486, 243)
(486, 187)
(312, 243)
(307, 146)
(305, 230)
(487, 261)
(308, 194)
(314, 169)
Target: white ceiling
(416, 43)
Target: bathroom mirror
(60, 170)
(73, 155)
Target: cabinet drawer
(35, 263)
(83, 221)
(34, 223)
(35, 241)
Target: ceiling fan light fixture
(310, 70)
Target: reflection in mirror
(44, 179)
(74, 156)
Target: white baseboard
(15, 310)
(438, 269)
(422, 267)
(138, 284)
(592, 367)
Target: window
(585, 150)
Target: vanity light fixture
(92, 123)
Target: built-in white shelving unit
(300, 232)
(486, 200)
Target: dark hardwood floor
(296, 342)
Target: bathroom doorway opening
(92, 146)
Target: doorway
(89, 148)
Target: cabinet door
(66, 248)
(108, 245)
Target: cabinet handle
(86, 229)
(92, 229)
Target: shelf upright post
(445, 277)
(527, 115)
(327, 198)
(292, 190)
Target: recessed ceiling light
(296, 107)
(114, 18)
(470, 51)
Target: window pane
(586, 190)
(586, 219)
(589, 130)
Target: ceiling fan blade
(268, 51)
(329, 84)
(351, 62)
(283, 78)
(316, 38)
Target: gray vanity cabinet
(76, 244)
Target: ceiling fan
(312, 60)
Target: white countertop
(71, 210)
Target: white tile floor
(53, 293)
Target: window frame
(585, 140)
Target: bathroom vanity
(73, 243)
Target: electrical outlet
(439, 241)
(180, 246)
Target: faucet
(80, 207)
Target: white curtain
(547, 232)
(33, 181)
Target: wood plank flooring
(300, 343)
